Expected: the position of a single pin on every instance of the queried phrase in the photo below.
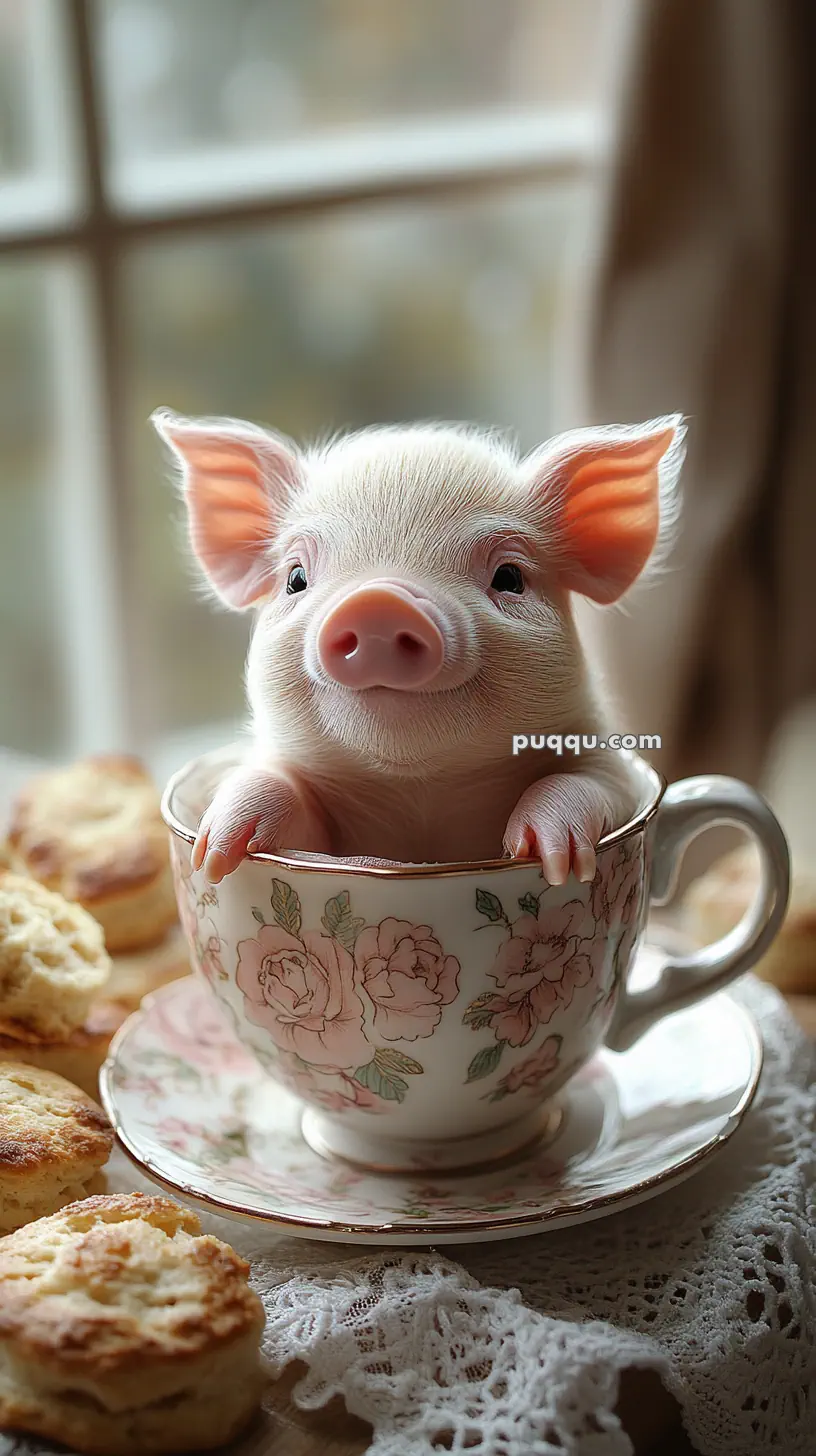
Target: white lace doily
(515, 1348)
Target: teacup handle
(687, 808)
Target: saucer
(196, 1114)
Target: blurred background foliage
(187, 74)
(445, 312)
(440, 308)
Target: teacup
(428, 1015)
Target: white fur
(428, 774)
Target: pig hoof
(559, 820)
(225, 842)
(584, 864)
(216, 861)
(255, 811)
(248, 813)
(557, 863)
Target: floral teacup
(427, 1015)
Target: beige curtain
(705, 302)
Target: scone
(53, 1142)
(94, 831)
(125, 1330)
(53, 960)
(715, 903)
(79, 1055)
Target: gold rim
(430, 1228)
(407, 872)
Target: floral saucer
(196, 1113)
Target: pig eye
(508, 578)
(297, 581)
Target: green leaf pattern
(386, 1076)
(485, 1061)
(529, 903)
(339, 922)
(567, 936)
(286, 907)
(383, 1084)
(490, 905)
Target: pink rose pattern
(195, 1037)
(202, 936)
(407, 978)
(314, 991)
(546, 958)
(533, 1073)
(302, 989)
(333, 1090)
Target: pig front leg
(559, 820)
(255, 810)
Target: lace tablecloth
(516, 1348)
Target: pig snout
(381, 635)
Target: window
(305, 212)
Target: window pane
(188, 74)
(15, 137)
(38, 162)
(33, 703)
(397, 313)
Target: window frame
(85, 223)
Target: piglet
(412, 591)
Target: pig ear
(236, 480)
(608, 496)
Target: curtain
(704, 301)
